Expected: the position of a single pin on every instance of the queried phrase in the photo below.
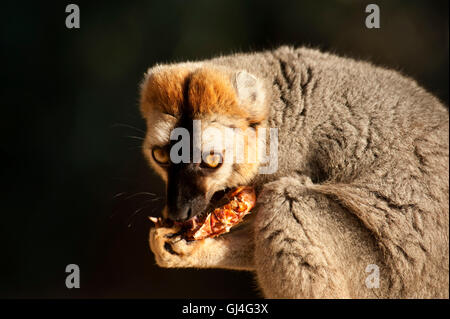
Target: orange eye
(212, 160)
(160, 155)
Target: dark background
(71, 162)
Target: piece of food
(240, 201)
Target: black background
(71, 161)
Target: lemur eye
(212, 160)
(160, 155)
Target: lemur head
(202, 123)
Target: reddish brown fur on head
(202, 91)
(164, 90)
(211, 91)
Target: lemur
(362, 176)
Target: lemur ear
(251, 95)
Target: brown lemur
(362, 176)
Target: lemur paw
(170, 249)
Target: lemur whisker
(130, 220)
(128, 126)
(140, 193)
(136, 137)
(119, 194)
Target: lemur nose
(181, 214)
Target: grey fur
(362, 179)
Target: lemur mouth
(228, 208)
(219, 199)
